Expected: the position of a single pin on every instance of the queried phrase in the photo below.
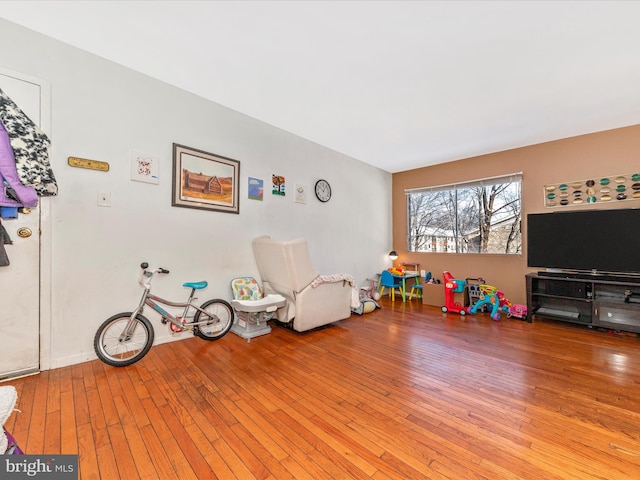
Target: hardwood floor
(405, 392)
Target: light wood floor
(406, 392)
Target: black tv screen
(587, 240)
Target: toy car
(518, 311)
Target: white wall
(101, 111)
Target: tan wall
(596, 155)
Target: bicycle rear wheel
(218, 318)
(119, 353)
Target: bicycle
(126, 337)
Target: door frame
(44, 210)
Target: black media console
(607, 301)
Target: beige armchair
(313, 300)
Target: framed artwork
(144, 167)
(204, 180)
(278, 185)
(256, 188)
(301, 194)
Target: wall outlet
(104, 198)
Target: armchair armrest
(340, 277)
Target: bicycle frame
(152, 301)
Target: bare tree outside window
(475, 217)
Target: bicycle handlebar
(145, 265)
(145, 275)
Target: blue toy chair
(389, 281)
(417, 288)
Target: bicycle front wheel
(217, 318)
(118, 350)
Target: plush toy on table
(399, 271)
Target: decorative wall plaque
(90, 164)
(615, 188)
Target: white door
(20, 281)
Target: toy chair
(253, 309)
(389, 281)
(417, 288)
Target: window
(482, 216)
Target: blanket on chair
(340, 277)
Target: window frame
(456, 236)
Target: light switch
(104, 198)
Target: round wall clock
(323, 190)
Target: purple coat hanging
(12, 192)
(30, 147)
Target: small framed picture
(278, 185)
(256, 188)
(301, 194)
(145, 167)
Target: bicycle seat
(195, 285)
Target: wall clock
(323, 190)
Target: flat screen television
(594, 241)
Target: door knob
(24, 232)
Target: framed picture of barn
(204, 180)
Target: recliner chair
(313, 300)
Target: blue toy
(492, 298)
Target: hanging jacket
(30, 148)
(5, 239)
(12, 192)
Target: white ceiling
(398, 85)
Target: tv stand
(606, 301)
(595, 276)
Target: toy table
(404, 278)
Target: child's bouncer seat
(253, 309)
